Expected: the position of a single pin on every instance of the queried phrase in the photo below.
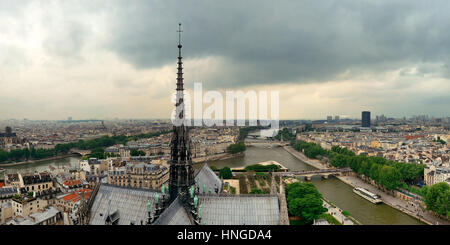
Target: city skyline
(71, 58)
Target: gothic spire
(181, 170)
(180, 63)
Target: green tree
(304, 201)
(3, 156)
(225, 173)
(374, 172)
(135, 152)
(98, 153)
(27, 153)
(262, 168)
(390, 177)
(339, 160)
(285, 135)
(236, 148)
(437, 198)
(256, 191)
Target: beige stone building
(5, 212)
(67, 202)
(46, 216)
(140, 175)
(434, 175)
(23, 206)
(36, 182)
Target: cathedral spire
(181, 170)
(180, 63)
(179, 35)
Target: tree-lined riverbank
(27, 155)
(390, 200)
(332, 189)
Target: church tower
(181, 170)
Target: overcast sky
(107, 59)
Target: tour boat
(373, 198)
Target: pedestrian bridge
(325, 173)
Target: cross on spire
(179, 33)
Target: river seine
(332, 189)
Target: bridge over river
(265, 142)
(325, 173)
(80, 152)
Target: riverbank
(36, 161)
(353, 181)
(217, 157)
(336, 212)
(300, 156)
(394, 202)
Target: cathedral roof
(175, 214)
(131, 204)
(220, 209)
(240, 209)
(206, 176)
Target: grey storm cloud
(69, 41)
(266, 42)
(84, 57)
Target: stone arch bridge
(80, 152)
(324, 173)
(266, 142)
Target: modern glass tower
(365, 119)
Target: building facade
(140, 175)
(365, 119)
(434, 175)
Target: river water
(332, 189)
(43, 166)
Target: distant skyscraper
(8, 130)
(365, 119)
(336, 118)
(329, 118)
(69, 119)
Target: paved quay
(409, 208)
(313, 162)
(337, 214)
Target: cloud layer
(109, 59)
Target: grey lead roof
(227, 210)
(175, 214)
(8, 190)
(206, 176)
(240, 209)
(217, 209)
(131, 204)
